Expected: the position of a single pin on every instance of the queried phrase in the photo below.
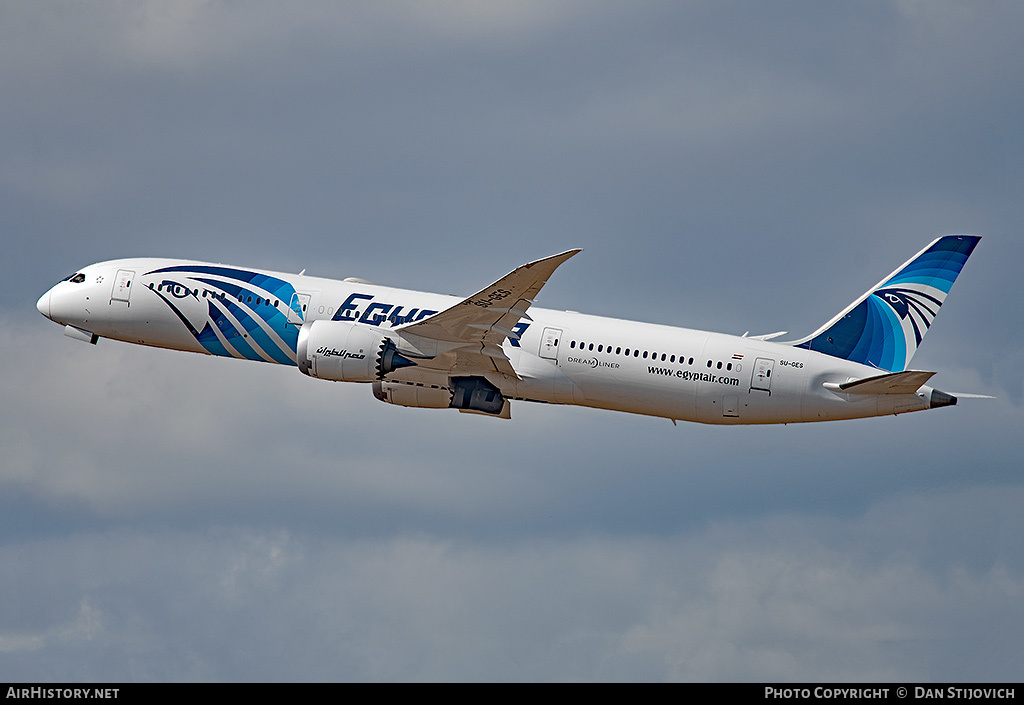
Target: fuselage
(559, 357)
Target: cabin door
(297, 308)
(549, 343)
(762, 375)
(122, 285)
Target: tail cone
(942, 399)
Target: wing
(468, 337)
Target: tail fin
(884, 326)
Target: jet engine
(344, 351)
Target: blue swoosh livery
(237, 325)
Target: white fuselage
(560, 357)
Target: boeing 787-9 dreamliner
(480, 353)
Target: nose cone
(43, 304)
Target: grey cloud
(777, 599)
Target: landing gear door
(762, 376)
(549, 343)
(122, 285)
(297, 308)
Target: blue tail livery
(884, 327)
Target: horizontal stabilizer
(894, 383)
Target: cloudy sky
(730, 166)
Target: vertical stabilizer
(884, 327)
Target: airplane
(480, 353)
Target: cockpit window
(76, 278)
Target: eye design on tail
(920, 307)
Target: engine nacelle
(344, 351)
(419, 396)
(466, 394)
